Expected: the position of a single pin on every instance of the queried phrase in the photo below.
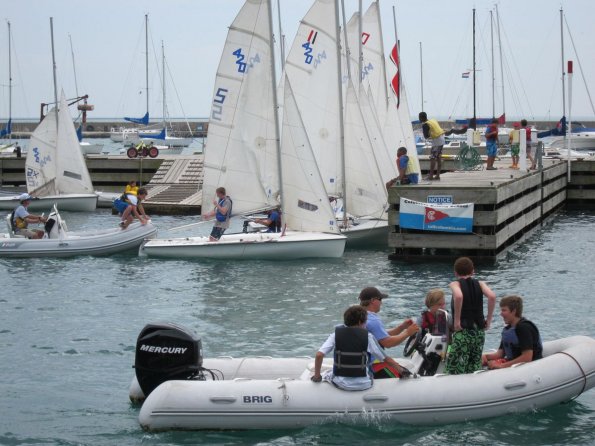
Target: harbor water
(68, 329)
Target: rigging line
(20, 76)
(178, 97)
(580, 66)
(127, 80)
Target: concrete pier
(508, 205)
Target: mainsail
(241, 152)
(311, 66)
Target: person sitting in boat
(131, 188)
(272, 222)
(371, 299)
(222, 214)
(407, 173)
(435, 300)
(469, 323)
(520, 342)
(353, 347)
(134, 208)
(21, 218)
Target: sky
(108, 43)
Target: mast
(493, 75)
(341, 118)
(163, 79)
(421, 75)
(563, 72)
(76, 86)
(54, 68)
(347, 50)
(9, 84)
(474, 72)
(281, 40)
(360, 52)
(501, 61)
(276, 107)
(147, 59)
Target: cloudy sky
(108, 41)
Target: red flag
(395, 82)
(433, 215)
(502, 119)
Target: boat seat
(11, 233)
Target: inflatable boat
(58, 241)
(266, 393)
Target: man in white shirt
(21, 219)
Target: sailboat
(246, 155)
(148, 136)
(55, 169)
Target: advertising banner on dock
(436, 217)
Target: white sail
(311, 66)
(40, 165)
(366, 193)
(305, 203)
(241, 152)
(72, 176)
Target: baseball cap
(370, 293)
(517, 125)
(24, 197)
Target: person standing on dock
(222, 214)
(514, 139)
(491, 134)
(435, 134)
(530, 154)
(521, 341)
(469, 324)
(371, 299)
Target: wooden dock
(508, 205)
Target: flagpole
(474, 106)
(569, 139)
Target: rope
(582, 371)
(469, 158)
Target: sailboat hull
(68, 202)
(251, 246)
(370, 232)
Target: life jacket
(222, 217)
(472, 309)
(410, 169)
(489, 129)
(131, 190)
(435, 129)
(427, 321)
(510, 341)
(351, 352)
(17, 223)
(275, 225)
(528, 132)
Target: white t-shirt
(133, 199)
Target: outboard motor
(164, 352)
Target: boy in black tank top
(469, 324)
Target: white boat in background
(60, 242)
(259, 169)
(189, 392)
(88, 148)
(55, 168)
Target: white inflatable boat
(265, 393)
(58, 241)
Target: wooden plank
(554, 186)
(517, 186)
(582, 180)
(554, 201)
(583, 166)
(460, 195)
(581, 194)
(516, 226)
(442, 240)
(559, 169)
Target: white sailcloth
(305, 203)
(55, 164)
(241, 148)
(40, 167)
(311, 66)
(72, 176)
(366, 193)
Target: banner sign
(436, 217)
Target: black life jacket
(351, 352)
(510, 341)
(472, 309)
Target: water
(68, 329)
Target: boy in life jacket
(469, 323)
(134, 208)
(491, 134)
(520, 342)
(435, 300)
(407, 173)
(515, 141)
(352, 346)
(131, 188)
